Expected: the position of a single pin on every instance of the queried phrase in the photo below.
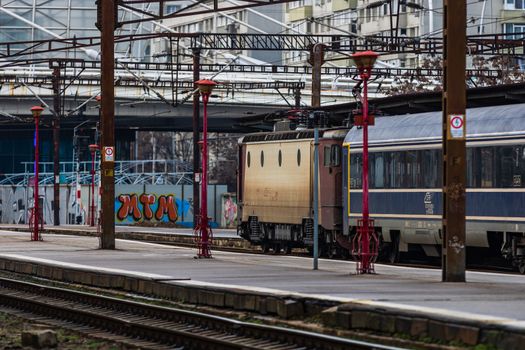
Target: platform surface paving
(493, 294)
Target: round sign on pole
(456, 126)
(109, 154)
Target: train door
(330, 184)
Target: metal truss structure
(233, 68)
(486, 44)
(157, 172)
(183, 85)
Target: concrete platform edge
(469, 329)
(137, 235)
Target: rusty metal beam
(107, 124)
(454, 145)
(316, 60)
(196, 136)
(56, 146)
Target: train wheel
(392, 250)
(288, 249)
(265, 247)
(276, 248)
(521, 267)
(331, 252)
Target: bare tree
(418, 82)
(485, 72)
(222, 148)
(223, 159)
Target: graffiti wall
(134, 204)
(16, 202)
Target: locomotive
(405, 196)
(275, 189)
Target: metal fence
(133, 172)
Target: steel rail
(190, 329)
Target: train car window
(428, 169)
(518, 179)
(439, 167)
(248, 159)
(356, 170)
(280, 158)
(326, 156)
(298, 157)
(379, 171)
(487, 167)
(473, 167)
(504, 167)
(412, 169)
(387, 160)
(371, 175)
(398, 170)
(335, 155)
(262, 159)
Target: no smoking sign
(456, 126)
(109, 154)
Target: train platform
(488, 309)
(176, 235)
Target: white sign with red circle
(457, 126)
(109, 154)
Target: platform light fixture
(93, 149)
(36, 219)
(366, 244)
(202, 229)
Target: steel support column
(56, 146)
(454, 151)
(107, 123)
(196, 136)
(297, 98)
(316, 60)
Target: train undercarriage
(503, 248)
(284, 237)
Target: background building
(261, 20)
(29, 20)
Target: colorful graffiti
(133, 204)
(147, 207)
(229, 210)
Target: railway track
(156, 327)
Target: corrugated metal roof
(482, 122)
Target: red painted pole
(364, 61)
(92, 208)
(36, 213)
(205, 252)
(365, 256)
(203, 230)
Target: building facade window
(514, 4)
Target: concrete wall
(133, 204)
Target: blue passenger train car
(405, 180)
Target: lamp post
(93, 148)
(365, 61)
(202, 229)
(36, 111)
